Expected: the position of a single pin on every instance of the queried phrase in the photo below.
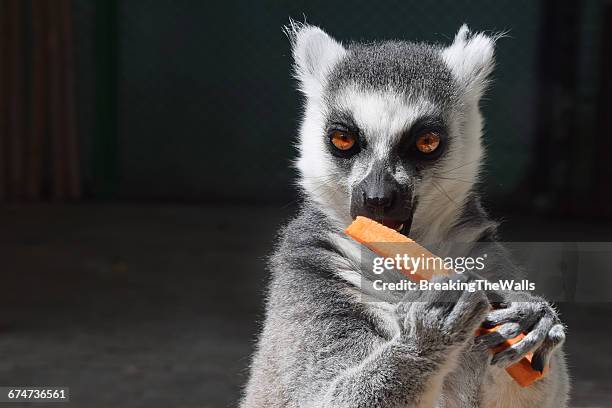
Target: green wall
(206, 107)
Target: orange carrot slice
(389, 243)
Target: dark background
(145, 152)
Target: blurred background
(145, 153)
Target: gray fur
(413, 68)
(324, 344)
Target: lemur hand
(435, 321)
(522, 312)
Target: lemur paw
(522, 312)
(435, 321)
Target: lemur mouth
(393, 224)
(401, 226)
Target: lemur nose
(378, 203)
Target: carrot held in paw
(389, 243)
(522, 372)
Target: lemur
(393, 131)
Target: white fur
(348, 265)
(446, 194)
(317, 173)
(315, 53)
(471, 59)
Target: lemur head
(391, 130)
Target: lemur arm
(391, 372)
(397, 354)
(340, 360)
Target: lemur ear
(471, 59)
(314, 54)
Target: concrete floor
(158, 306)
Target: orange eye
(342, 140)
(428, 142)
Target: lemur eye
(343, 141)
(428, 142)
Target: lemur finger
(427, 303)
(555, 338)
(527, 314)
(450, 297)
(501, 316)
(409, 297)
(494, 339)
(497, 300)
(468, 312)
(532, 340)
(432, 296)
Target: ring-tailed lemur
(392, 130)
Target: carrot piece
(367, 231)
(388, 243)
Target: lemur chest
(475, 383)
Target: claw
(538, 363)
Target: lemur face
(389, 128)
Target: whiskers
(459, 167)
(444, 192)
(453, 176)
(452, 179)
